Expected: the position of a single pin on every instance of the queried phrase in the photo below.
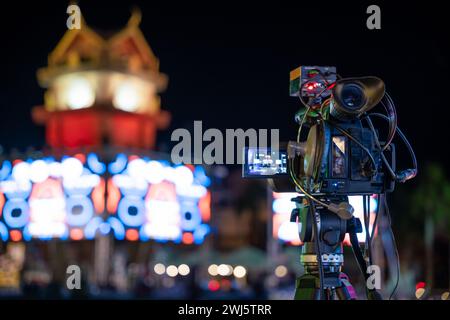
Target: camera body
(347, 168)
(340, 156)
(344, 168)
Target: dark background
(229, 65)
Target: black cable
(414, 160)
(358, 254)
(388, 215)
(317, 247)
(366, 211)
(402, 136)
(393, 116)
(389, 106)
(366, 242)
(375, 222)
(377, 142)
(372, 294)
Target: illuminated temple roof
(85, 49)
(102, 87)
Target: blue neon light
(142, 234)
(45, 237)
(26, 235)
(94, 164)
(164, 163)
(91, 228)
(65, 235)
(86, 212)
(131, 211)
(200, 176)
(117, 227)
(119, 164)
(104, 228)
(5, 170)
(4, 234)
(200, 233)
(179, 238)
(21, 213)
(190, 216)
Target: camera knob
(344, 210)
(331, 237)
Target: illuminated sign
(357, 204)
(288, 232)
(154, 200)
(283, 229)
(141, 199)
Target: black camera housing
(345, 171)
(356, 177)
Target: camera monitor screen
(264, 163)
(338, 163)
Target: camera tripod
(335, 284)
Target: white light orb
(420, 292)
(21, 172)
(183, 269)
(172, 271)
(154, 172)
(239, 272)
(183, 176)
(39, 171)
(281, 271)
(127, 97)
(55, 169)
(225, 270)
(136, 168)
(212, 270)
(159, 268)
(79, 94)
(71, 168)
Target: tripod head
(325, 277)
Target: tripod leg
(307, 288)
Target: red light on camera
(311, 86)
(420, 285)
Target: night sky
(229, 65)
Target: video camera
(340, 156)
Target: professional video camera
(341, 155)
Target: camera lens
(352, 96)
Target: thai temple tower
(102, 89)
